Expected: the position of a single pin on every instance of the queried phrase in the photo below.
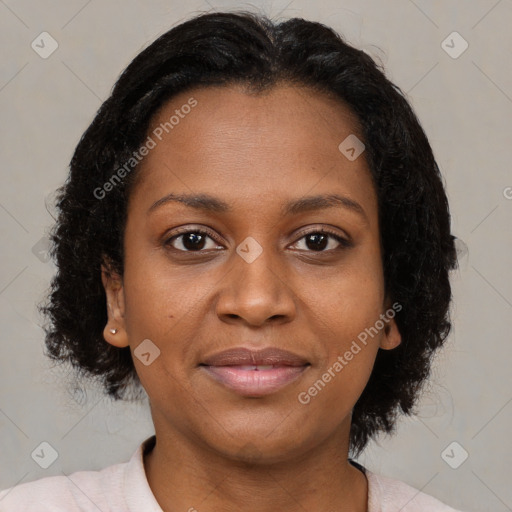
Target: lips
(245, 357)
(254, 373)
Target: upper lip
(244, 356)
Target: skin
(217, 450)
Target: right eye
(191, 240)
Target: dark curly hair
(228, 48)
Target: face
(257, 265)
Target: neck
(184, 475)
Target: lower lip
(254, 382)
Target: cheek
(166, 308)
(347, 309)
(333, 390)
(158, 300)
(349, 349)
(349, 302)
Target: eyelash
(344, 243)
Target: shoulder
(389, 495)
(118, 488)
(80, 491)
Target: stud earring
(113, 331)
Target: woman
(255, 231)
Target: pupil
(193, 238)
(315, 241)
(315, 238)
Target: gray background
(464, 105)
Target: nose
(256, 292)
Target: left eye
(319, 240)
(196, 241)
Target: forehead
(284, 141)
(232, 112)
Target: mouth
(255, 373)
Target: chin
(261, 448)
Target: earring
(113, 331)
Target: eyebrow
(207, 203)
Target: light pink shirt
(124, 488)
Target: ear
(392, 337)
(114, 291)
